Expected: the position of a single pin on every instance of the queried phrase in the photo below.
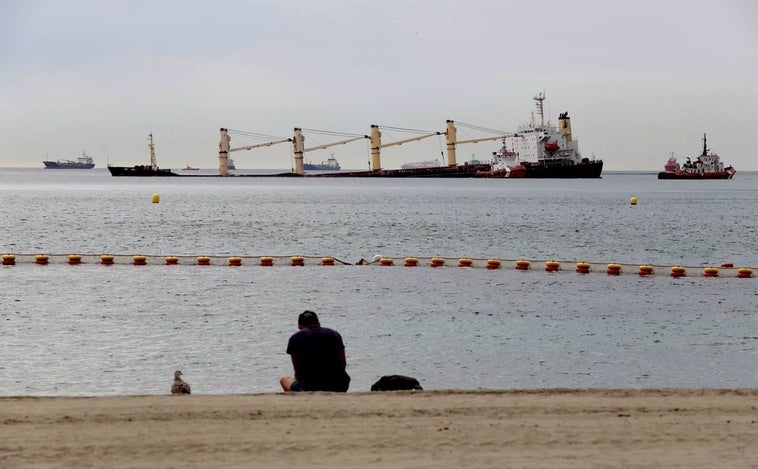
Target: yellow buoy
(156, 198)
(633, 201)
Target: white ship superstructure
(540, 141)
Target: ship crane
(224, 150)
(298, 143)
(452, 141)
(377, 145)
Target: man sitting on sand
(318, 357)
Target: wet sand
(536, 428)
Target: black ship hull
(463, 171)
(584, 170)
(139, 171)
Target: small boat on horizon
(190, 168)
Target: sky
(640, 79)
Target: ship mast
(539, 98)
(151, 145)
(705, 148)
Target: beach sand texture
(535, 428)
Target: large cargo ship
(83, 162)
(542, 150)
(142, 170)
(706, 166)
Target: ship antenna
(151, 145)
(539, 98)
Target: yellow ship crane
(224, 150)
(377, 145)
(298, 143)
(452, 141)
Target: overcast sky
(640, 79)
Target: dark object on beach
(396, 383)
(180, 386)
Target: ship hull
(57, 165)
(694, 175)
(583, 170)
(139, 171)
(463, 171)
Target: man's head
(307, 319)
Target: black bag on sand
(396, 383)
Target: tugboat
(142, 170)
(705, 166)
(540, 150)
(83, 162)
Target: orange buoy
(203, 260)
(727, 265)
(465, 262)
(522, 264)
(171, 260)
(678, 271)
(613, 269)
(235, 261)
(493, 264)
(139, 260)
(327, 261)
(552, 266)
(74, 259)
(106, 259)
(411, 262)
(744, 272)
(9, 259)
(438, 262)
(710, 272)
(297, 261)
(386, 261)
(266, 261)
(645, 270)
(583, 267)
(41, 259)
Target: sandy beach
(543, 428)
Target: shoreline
(440, 428)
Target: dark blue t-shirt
(317, 350)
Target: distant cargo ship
(421, 164)
(329, 165)
(83, 162)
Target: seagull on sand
(180, 386)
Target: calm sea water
(94, 330)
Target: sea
(91, 330)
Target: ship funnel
(564, 125)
